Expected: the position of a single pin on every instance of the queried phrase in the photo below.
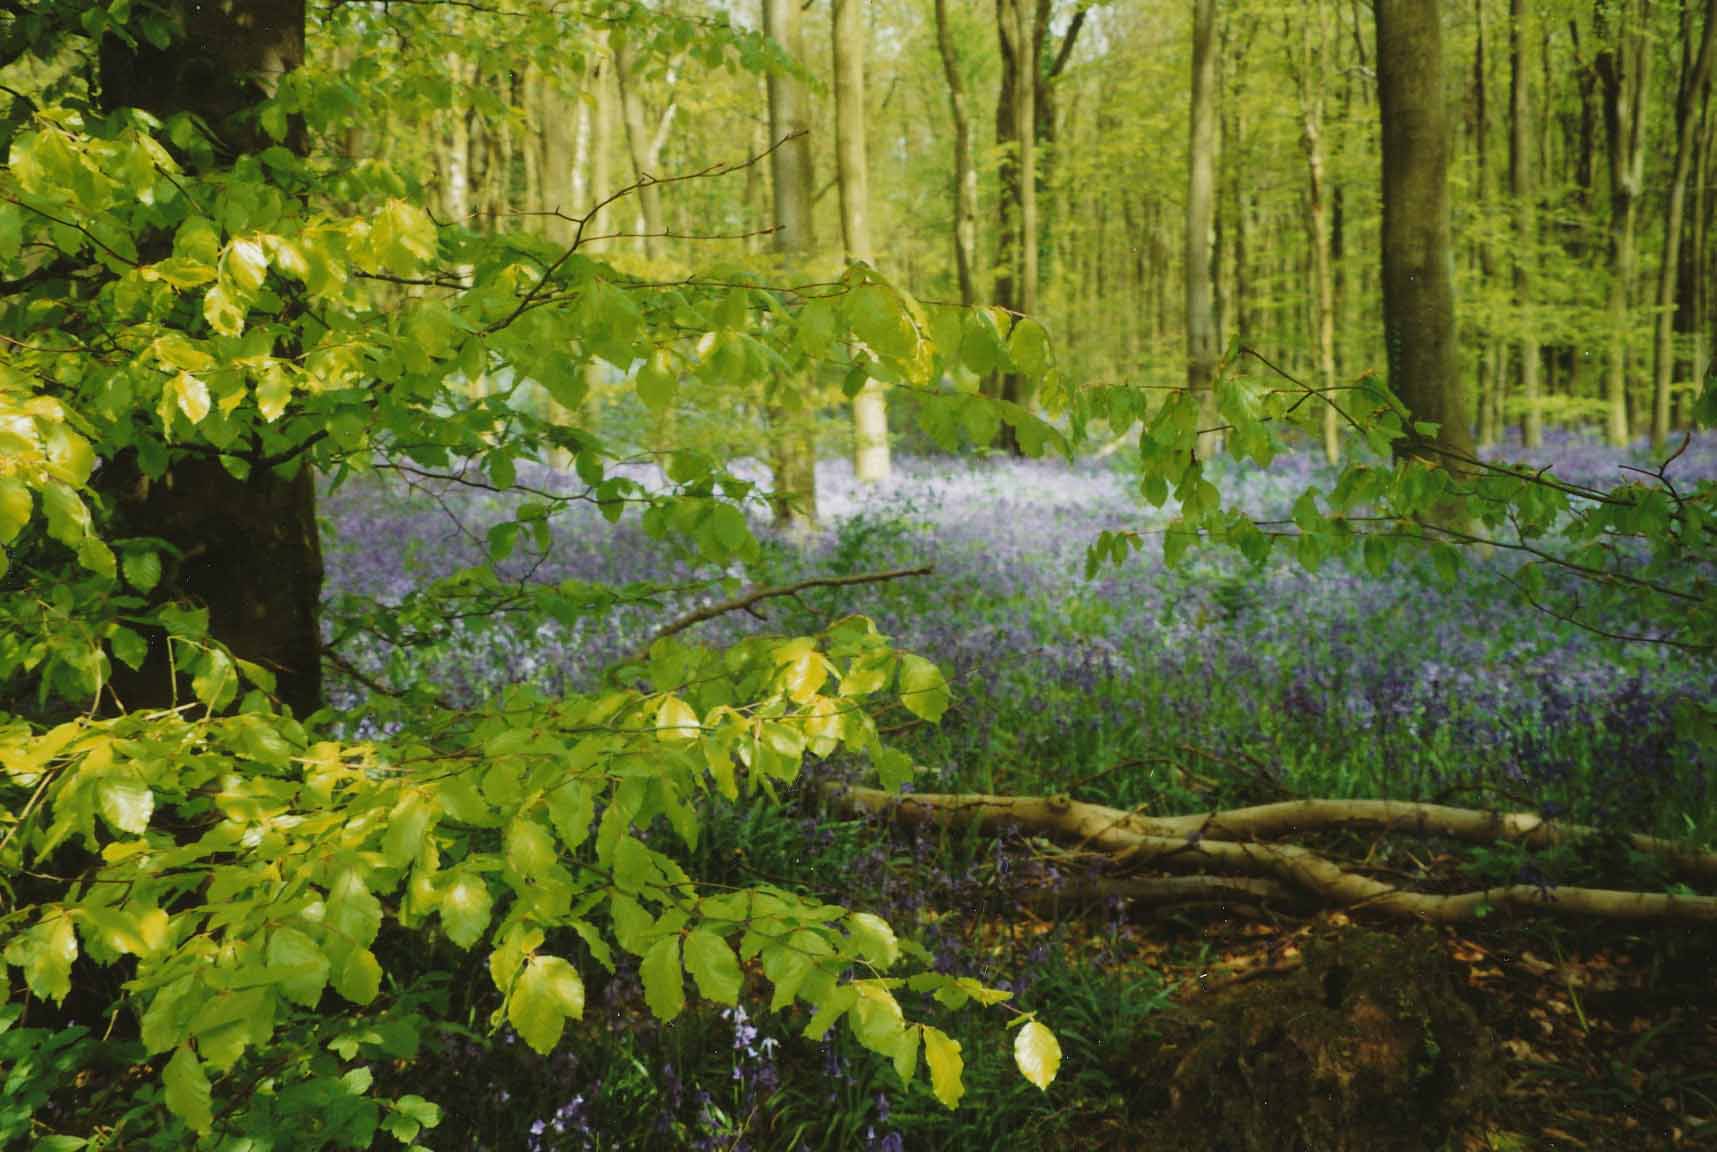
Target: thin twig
(745, 601)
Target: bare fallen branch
(1209, 842)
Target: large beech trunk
(249, 550)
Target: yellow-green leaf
(465, 909)
(675, 720)
(15, 506)
(1038, 1054)
(874, 939)
(942, 1053)
(192, 396)
(125, 804)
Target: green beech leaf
(360, 977)
(923, 691)
(142, 570)
(188, 1094)
(664, 986)
(874, 939)
(305, 968)
(45, 953)
(548, 993)
(714, 966)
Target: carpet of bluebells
(1178, 689)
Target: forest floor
(1163, 690)
(1604, 1040)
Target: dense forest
(782, 574)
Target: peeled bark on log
(1210, 841)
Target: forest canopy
(443, 446)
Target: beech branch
(746, 601)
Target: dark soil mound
(1366, 1046)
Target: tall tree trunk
(793, 440)
(604, 129)
(1418, 255)
(1520, 187)
(1310, 70)
(1019, 255)
(1692, 314)
(250, 550)
(1201, 347)
(852, 173)
(965, 167)
(638, 145)
(1490, 375)
(565, 134)
(1695, 69)
(1625, 70)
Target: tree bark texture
(1418, 255)
(1695, 72)
(248, 549)
(1624, 67)
(1201, 338)
(1311, 67)
(965, 166)
(1524, 193)
(793, 446)
(852, 173)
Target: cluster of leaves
(235, 867)
(1640, 552)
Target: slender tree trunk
(1201, 347)
(965, 167)
(1695, 71)
(1310, 70)
(1418, 255)
(1692, 316)
(250, 550)
(793, 442)
(1625, 71)
(565, 133)
(1490, 373)
(1521, 188)
(456, 151)
(604, 129)
(638, 141)
(852, 172)
(1019, 256)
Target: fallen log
(1210, 842)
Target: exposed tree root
(1226, 842)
